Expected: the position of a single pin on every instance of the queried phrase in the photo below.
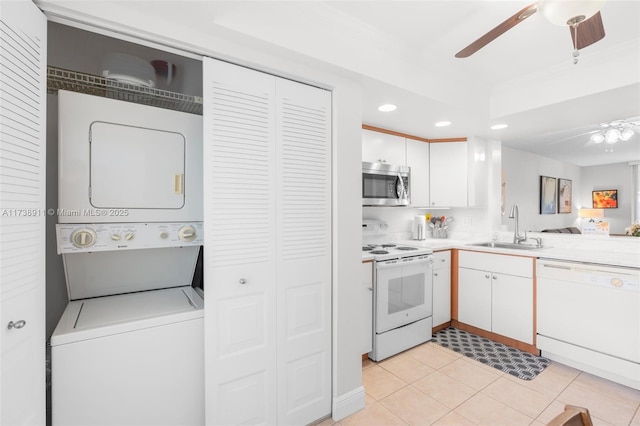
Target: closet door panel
(303, 252)
(239, 255)
(23, 44)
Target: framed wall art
(564, 195)
(547, 195)
(605, 199)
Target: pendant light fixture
(570, 13)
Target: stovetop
(387, 251)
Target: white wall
(522, 171)
(610, 176)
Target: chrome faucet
(517, 238)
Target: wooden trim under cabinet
(454, 284)
(408, 136)
(496, 337)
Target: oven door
(403, 291)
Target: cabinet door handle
(487, 276)
(435, 274)
(17, 325)
(495, 277)
(242, 281)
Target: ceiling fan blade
(497, 31)
(588, 32)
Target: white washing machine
(129, 348)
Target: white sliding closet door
(303, 252)
(267, 213)
(22, 213)
(239, 256)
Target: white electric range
(403, 292)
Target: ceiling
(535, 48)
(403, 52)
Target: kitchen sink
(497, 244)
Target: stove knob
(83, 237)
(187, 233)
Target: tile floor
(432, 385)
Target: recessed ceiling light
(443, 124)
(499, 126)
(387, 107)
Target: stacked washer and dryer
(129, 346)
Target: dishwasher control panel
(590, 274)
(78, 238)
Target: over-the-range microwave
(385, 185)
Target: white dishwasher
(588, 317)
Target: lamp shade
(591, 213)
(565, 12)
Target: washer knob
(83, 238)
(187, 233)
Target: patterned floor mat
(504, 358)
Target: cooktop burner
(406, 248)
(367, 248)
(388, 245)
(379, 252)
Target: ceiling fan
(572, 13)
(607, 133)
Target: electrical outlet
(466, 220)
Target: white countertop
(616, 251)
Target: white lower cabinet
(441, 287)
(495, 293)
(267, 259)
(367, 306)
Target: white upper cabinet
(448, 174)
(418, 160)
(458, 174)
(383, 148)
(443, 174)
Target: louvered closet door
(22, 213)
(303, 252)
(239, 254)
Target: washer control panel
(76, 238)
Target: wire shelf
(61, 79)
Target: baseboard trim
(347, 404)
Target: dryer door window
(136, 168)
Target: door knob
(242, 281)
(17, 324)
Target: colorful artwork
(606, 199)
